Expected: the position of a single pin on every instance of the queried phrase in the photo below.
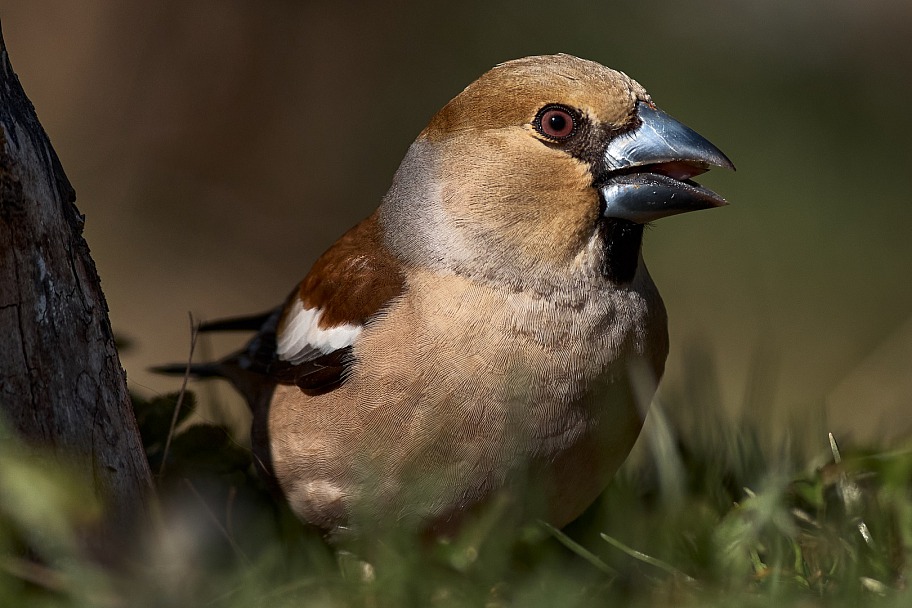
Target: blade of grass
(194, 332)
(580, 550)
(652, 561)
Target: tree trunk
(61, 383)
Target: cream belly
(437, 425)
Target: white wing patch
(302, 334)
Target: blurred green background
(217, 147)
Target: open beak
(644, 173)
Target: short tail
(223, 368)
(245, 323)
(248, 368)
(197, 370)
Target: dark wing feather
(245, 323)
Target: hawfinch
(493, 320)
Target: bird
(492, 322)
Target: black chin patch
(621, 240)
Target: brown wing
(308, 340)
(312, 341)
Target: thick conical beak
(644, 174)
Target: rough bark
(61, 382)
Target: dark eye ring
(555, 122)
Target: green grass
(718, 514)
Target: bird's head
(545, 168)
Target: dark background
(217, 147)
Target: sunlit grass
(714, 514)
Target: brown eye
(555, 122)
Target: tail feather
(248, 368)
(245, 323)
(197, 370)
